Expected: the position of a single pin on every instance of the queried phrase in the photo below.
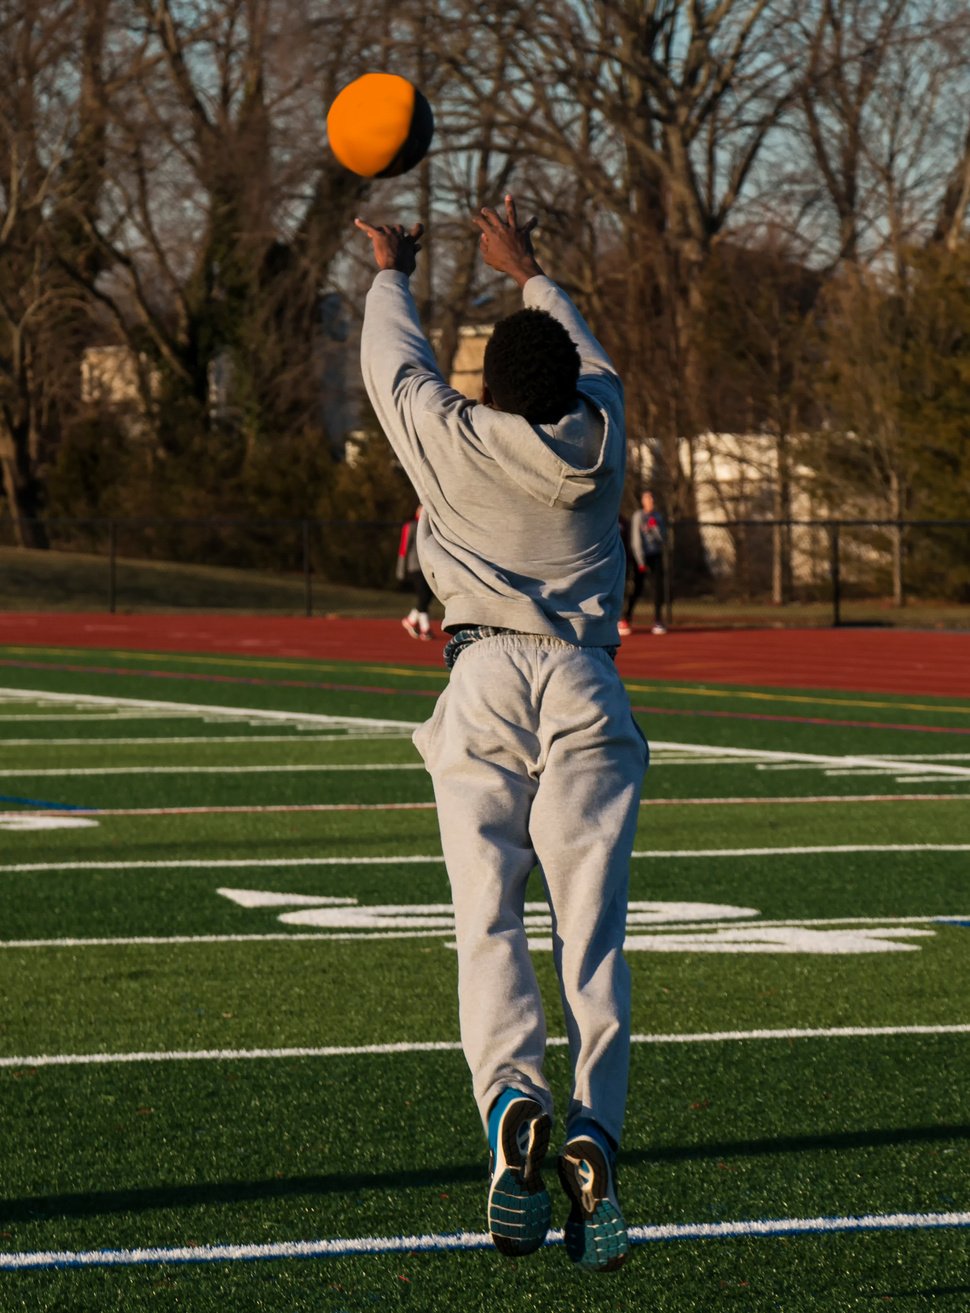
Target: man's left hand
(393, 247)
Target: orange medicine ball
(380, 125)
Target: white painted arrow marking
(265, 898)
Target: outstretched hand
(393, 247)
(506, 246)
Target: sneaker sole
(595, 1232)
(519, 1208)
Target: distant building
(736, 479)
(110, 375)
(466, 370)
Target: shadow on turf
(837, 1141)
(102, 1202)
(98, 1203)
(923, 1291)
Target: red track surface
(861, 660)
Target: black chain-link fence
(195, 564)
(812, 571)
(857, 570)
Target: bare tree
(224, 214)
(163, 175)
(886, 121)
(51, 176)
(884, 114)
(661, 110)
(758, 345)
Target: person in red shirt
(416, 622)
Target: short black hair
(532, 367)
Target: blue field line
(466, 1241)
(40, 805)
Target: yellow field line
(728, 692)
(274, 663)
(418, 672)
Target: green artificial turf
(252, 1153)
(280, 1148)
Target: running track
(859, 660)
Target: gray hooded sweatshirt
(520, 523)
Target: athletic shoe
(596, 1237)
(410, 626)
(658, 629)
(519, 1210)
(425, 635)
(624, 629)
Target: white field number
(676, 927)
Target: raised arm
(400, 372)
(506, 246)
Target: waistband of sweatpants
(469, 634)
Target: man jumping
(532, 748)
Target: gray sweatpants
(536, 758)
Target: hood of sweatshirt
(558, 464)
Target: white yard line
(918, 779)
(760, 755)
(454, 1046)
(450, 1242)
(890, 771)
(199, 709)
(706, 750)
(222, 863)
(254, 809)
(230, 768)
(246, 809)
(927, 758)
(298, 736)
(296, 937)
(191, 739)
(768, 800)
(254, 863)
(134, 941)
(39, 716)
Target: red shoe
(410, 626)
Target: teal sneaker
(519, 1210)
(596, 1238)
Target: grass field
(229, 1071)
(79, 581)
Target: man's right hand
(505, 246)
(393, 247)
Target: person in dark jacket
(646, 557)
